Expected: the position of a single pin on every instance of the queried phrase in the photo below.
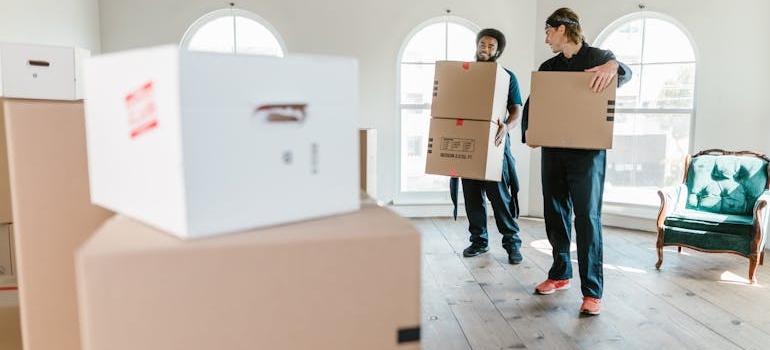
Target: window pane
(647, 153)
(668, 86)
(627, 96)
(417, 74)
(428, 45)
(216, 36)
(664, 42)
(253, 38)
(626, 42)
(462, 43)
(417, 83)
(414, 131)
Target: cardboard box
(6, 214)
(350, 281)
(464, 148)
(368, 161)
(41, 71)
(199, 144)
(6, 251)
(565, 113)
(470, 90)
(52, 215)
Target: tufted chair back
(727, 183)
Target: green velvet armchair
(721, 206)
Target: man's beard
(491, 59)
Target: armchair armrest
(762, 216)
(671, 199)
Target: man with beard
(490, 44)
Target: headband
(557, 21)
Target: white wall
(729, 40)
(51, 22)
(372, 31)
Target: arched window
(233, 31)
(444, 38)
(655, 110)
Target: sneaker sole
(472, 255)
(548, 292)
(589, 312)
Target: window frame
(419, 197)
(603, 35)
(199, 23)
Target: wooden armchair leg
(753, 262)
(660, 257)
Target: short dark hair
(493, 33)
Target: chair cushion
(707, 240)
(725, 184)
(690, 219)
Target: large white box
(199, 144)
(41, 71)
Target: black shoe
(514, 256)
(475, 249)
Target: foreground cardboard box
(6, 252)
(470, 90)
(464, 148)
(199, 144)
(41, 71)
(6, 214)
(368, 161)
(564, 112)
(350, 281)
(52, 215)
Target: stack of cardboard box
(469, 98)
(48, 177)
(240, 221)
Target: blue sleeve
(514, 95)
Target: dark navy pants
(573, 179)
(503, 197)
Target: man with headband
(574, 178)
(490, 44)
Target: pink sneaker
(549, 286)
(591, 306)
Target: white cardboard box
(41, 71)
(199, 144)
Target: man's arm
(503, 128)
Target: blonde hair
(571, 22)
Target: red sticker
(142, 112)
(453, 173)
(466, 65)
(459, 122)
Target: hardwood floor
(696, 301)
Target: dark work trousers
(503, 197)
(574, 179)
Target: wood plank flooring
(696, 301)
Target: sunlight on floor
(728, 277)
(543, 246)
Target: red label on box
(142, 112)
(459, 122)
(466, 65)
